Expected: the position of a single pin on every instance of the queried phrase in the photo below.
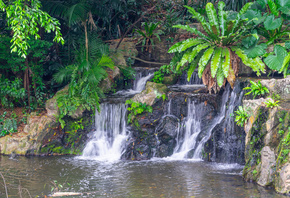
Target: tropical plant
(270, 23)
(11, 92)
(147, 37)
(24, 17)
(7, 125)
(136, 108)
(241, 116)
(84, 77)
(270, 103)
(257, 89)
(217, 51)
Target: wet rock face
(268, 161)
(157, 133)
(268, 140)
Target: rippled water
(155, 178)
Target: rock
(126, 48)
(252, 107)
(170, 80)
(278, 86)
(245, 70)
(152, 92)
(107, 84)
(283, 181)
(268, 162)
(30, 141)
(168, 128)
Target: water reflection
(157, 178)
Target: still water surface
(155, 178)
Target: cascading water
(194, 79)
(188, 131)
(108, 140)
(188, 145)
(217, 120)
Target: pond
(154, 178)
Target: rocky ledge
(267, 148)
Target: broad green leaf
(263, 3)
(192, 30)
(2, 5)
(222, 17)
(285, 64)
(256, 50)
(184, 59)
(275, 62)
(287, 45)
(227, 61)
(271, 23)
(254, 15)
(201, 19)
(273, 7)
(260, 64)
(176, 46)
(246, 60)
(193, 65)
(220, 76)
(245, 8)
(212, 17)
(190, 43)
(196, 50)
(285, 9)
(204, 60)
(216, 61)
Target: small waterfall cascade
(194, 79)
(109, 139)
(229, 147)
(139, 85)
(188, 131)
(217, 120)
(108, 142)
(188, 145)
(141, 77)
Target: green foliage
(24, 18)
(136, 108)
(11, 92)
(147, 37)
(84, 78)
(7, 125)
(163, 70)
(276, 59)
(270, 103)
(256, 89)
(241, 116)
(213, 51)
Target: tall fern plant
(83, 79)
(216, 50)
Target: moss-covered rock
(267, 145)
(152, 92)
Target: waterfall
(188, 145)
(188, 131)
(194, 79)
(108, 140)
(217, 120)
(141, 83)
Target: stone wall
(268, 139)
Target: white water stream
(108, 141)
